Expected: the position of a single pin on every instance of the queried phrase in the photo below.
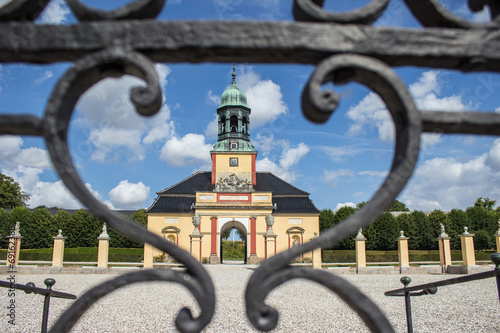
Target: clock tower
(233, 155)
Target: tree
(424, 237)
(225, 234)
(482, 240)
(458, 219)
(340, 215)
(485, 203)
(436, 218)
(326, 220)
(10, 193)
(21, 215)
(398, 206)
(82, 230)
(39, 230)
(61, 219)
(241, 234)
(120, 241)
(4, 228)
(388, 231)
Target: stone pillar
(195, 246)
(195, 238)
(403, 254)
(148, 256)
(58, 251)
(214, 259)
(270, 238)
(253, 259)
(316, 256)
(467, 241)
(103, 250)
(444, 250)
(14, 246)
(360, 252)
(497, 237)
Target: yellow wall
(243, 170)
(310, 223)
(156, 222)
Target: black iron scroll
(343, 46)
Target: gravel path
(304, 306)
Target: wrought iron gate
(343, 47)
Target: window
(234, 145)
(233, 123)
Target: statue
(295, 242)
(196, 222)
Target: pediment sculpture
(233, 184)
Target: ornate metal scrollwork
(344, 47)
(317, 106)
(312, 11)
(431, 13)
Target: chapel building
(195, 213)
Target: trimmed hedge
(80, 254)
(349, 256)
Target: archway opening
(233, 243)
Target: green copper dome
(233, 96)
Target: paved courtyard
(304, 306)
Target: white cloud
(263, 96)
(26, 165)
(46, 75)
(190, 149)
(373, 173)
(285, 167)
(12, 154)
(346, 204)
(129, 195)
(494, 155)
(211, 131)
(447, 183)
(56, 195)
(55, 13)
(114, 127)
(372, 113)
(330, 177)
(338, 154)
(215, 99)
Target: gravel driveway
(304, 306)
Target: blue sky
(125, 159)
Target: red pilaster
(253, 235)
(214, 235)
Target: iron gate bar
(431, 288)
(33, 289)
(255, 42)
(343, 46)
(48, 293)
(448, 282)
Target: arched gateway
(233, 194)
(229, 226)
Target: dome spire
(234, 74)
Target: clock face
(233, 161)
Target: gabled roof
(267, 182)
(172, 204)
(181, 197)
(202, 182)
(198, 182)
